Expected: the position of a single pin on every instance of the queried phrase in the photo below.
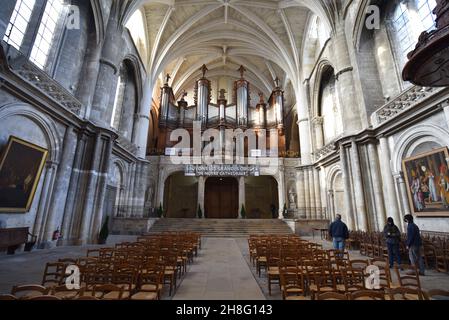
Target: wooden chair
(351, 280)
(331, 296)
(44, 298)
(273, 268)
(408, 278)
(65, 294)
(28, 291)
(261, 257)
(150, 286)
(292, 282)
(125, 276)
(107, 292)
(403, 293)
(54, 273)
(431, 294)
(384, 272)
(367, 295)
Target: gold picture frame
(21, 166)
(427, 182)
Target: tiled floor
(219, 273)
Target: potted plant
(200, 212)
(243, 212)
(104, 232)
(160, 211)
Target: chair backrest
(45, 297)
(331, 296)
(100, 291)
(4, 297)
(403, 293)
(54, 273)
(27, 291)
(409, 276)
(435, 293)
(367, 295)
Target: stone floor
(222, 271)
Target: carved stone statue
(292, 198)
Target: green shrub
(243, 212)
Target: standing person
(339, 233)
(274, 213)
(414, 244)
(392, 238)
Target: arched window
(18, 24)
(409, 19)
(47, 35)
(118, 99)
(23, 24)
(329, 106)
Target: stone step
(227, 228)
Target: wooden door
(221, 198)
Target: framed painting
(427, 180)
(21, 166)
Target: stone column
(331, 205)
(388, 183)
(68, 231)
(101, 112)
(130, 198)
(347, 186)
(311, 193)
(201, 189)
(402, 187)
(99, 205)
(89, 193)
(60, 193)
(377, 186)
(307, 193)
(319, 134)
(242, 195)
(318, 205)
(351, 110)
(44, 200)
(300, 189)
(281, 189)
(143, 122)
(358, 187)
(304, 126)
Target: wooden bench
(12, 238)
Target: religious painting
(21, 166)
(427, 179)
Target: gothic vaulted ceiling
(266, 36)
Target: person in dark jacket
(414, 244)
(392, 238)
(339, 233)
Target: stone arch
(322, 67)
(46, 125)
(335, 196)
(415, 137)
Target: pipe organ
(221, 115)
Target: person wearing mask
(414, 244)
(392, 238)
(339, 233)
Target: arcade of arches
(307, 89)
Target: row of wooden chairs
(136, 270)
